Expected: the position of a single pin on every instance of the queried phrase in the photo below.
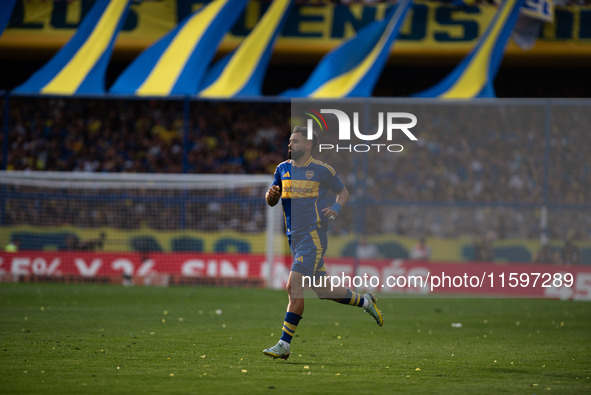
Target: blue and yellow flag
(474, 76)
(79, 67)
(177, 63)
(353, 68)
(241, 73)
(6, 7)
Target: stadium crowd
(144, 136)
(473, 170)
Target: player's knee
(294, 290)
(291, 290)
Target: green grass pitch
(111, 339)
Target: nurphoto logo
(392, 123)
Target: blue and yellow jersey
(304, 194)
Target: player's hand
(330, 213)
(273, 195)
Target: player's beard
(295, 155)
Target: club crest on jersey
(309, 174)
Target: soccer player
(302, 183)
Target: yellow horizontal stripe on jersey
(293, 189)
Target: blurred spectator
(544, 254)
(72, 243)
(144, 136)
(421, 251)
(483, 251)
(13, 246)
(570, 254)
(451, 182)
(366, 250)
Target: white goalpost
(164, 218)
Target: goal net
(166, 227)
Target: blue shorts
(308, 252)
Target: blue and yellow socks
(289, 327)
(354, 299)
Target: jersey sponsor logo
(299, 189)
(286, 175)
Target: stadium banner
(541, 10)
(80, 66)
(474, 76)
(390, 245)
(177, 63)
(384, 276)
(431, 29)
(7, 6)
(352, 69)
(241, 73)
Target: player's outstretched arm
(273, 195)
(333, 211)
(343, 197)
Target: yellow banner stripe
(240, 68)
(172, 62)
(475, 77)
(341, 85)
(73, 74)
